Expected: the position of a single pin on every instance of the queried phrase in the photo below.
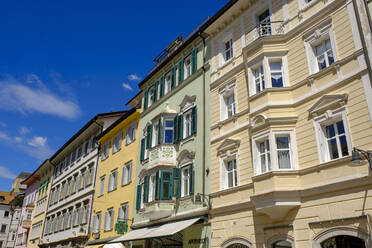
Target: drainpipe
(368, 14)
(360, 29)
(204, 122)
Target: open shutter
(191, 173)
(177, 182)
(162, 82)
(159, 131)
(175, 130)
(149, 137)
(156, 86)
(143, 149)
(146, 189)
(180, 71)
(193, 120)
(173, 78)
(138, 203)
(180, 127)
(145, 99)
(157, 186)
(194, 62)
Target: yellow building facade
(45, 173)
(289, 102)
(114, 192)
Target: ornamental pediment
(185, 156)
(228, 144)
(328, 102)
(187, 102)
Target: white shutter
(126, 213)
(106, 221)
(119, 140)
(94, 225)
(129, 173)
(115, 177)
(223, 175)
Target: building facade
(15, 220)
(67, 221)
(290, 99)
(174, 142)
(114, 193)
(5, 217)
(44, 172)
(32, 183)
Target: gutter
(362, 39)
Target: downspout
(368, 14)
(204, 122)
(363, 41)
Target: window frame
(101, 185)
(165, 128)
(226, 92)
(125, 179)
(167, 88)
(229, 156)
(130, 133)
(187, 73)
(187, 121)
(185, 168)
(228, 37)
(113, 180)
(116, 142)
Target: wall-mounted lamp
(358, 154)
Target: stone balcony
(158, 209)
(26, 224)
(265, 29)
(162, 155)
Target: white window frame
(187, 67)
(229, 156)
(315, 37)
(109, 219)
(105, 150)
(123, 213)
(130, 135)
(113, 180)
(320, 122)
(227, 37)
(271, 137)
(155, 133)
(102, 185)
(150, 96)
(97, 222)
(187, 124)
(116, 144)
(185, 181)
(229, 52)
(225, 93)
(126, 176)
(167, 82)
(152, 187)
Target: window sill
(98, 196)
(188, 139)
(125, 184)
(108, 230)
(127, 144)
(112, 190)
(226, 63)
(116, 151)
(306, 6)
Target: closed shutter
(180, 127)
(175, 123)
(177, 182)
(145, 99)
(143, 149)
(162, 82)
(149, 137)
(194, 62)
(138, 202)
(194, 120)
(180, 71)
(159, 131)
(173, 78)
(157, 185)
(191, 175)
(146, 190)
(156, 87)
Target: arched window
(282, 244)
(342, 237)
(237, 243)
(343, 241)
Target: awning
(114, 245)
(165, 230)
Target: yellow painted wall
(122, 194)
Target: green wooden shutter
(162, 82)
(143, 149)
(175, 129)
(180, 71)
(177, 182)
(173, 78)
(146, 99)
(149, 137)
(166, 184)
(194, 60)
(157, 186)
(180, 127)
(138, 202)
(159, 131)
(156, 86)
(146, 190)
(191, 173)
(193, 120)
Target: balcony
(164, 155)
(158, 209)
(265, 29)
(26, 224)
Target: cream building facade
(290, 99)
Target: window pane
(330, 131)
(343, 143)
(168, 123)
(284, 160)
(332, 146)
(330, 57)
(230, 179)
(263, 163)
(168, 137)
(282, 142)
(340, 127)
(277, 79)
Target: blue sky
(62, 62)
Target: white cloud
(4, 136)
(18, 139)
(6, 173)
(3, 124)
(24, 130)
(37, 141)
(35, 97)
(127, 86)
(134, 77)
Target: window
(109, 219)
(276, 73)
(168, 83)
(187, 124)
(187, 67)
(127, 174)
(152, 187)
(259, 79)
(275, 151)
(3, 229)
(151, 96)
(101, 186)
(166, 190)
(228, 105)
(79, 152)
(231, 173)
(105, 150)
(28, 214)
(131, 133)
(155, 136)
(282, 244)
(185, 174)
(123, 212)
(113, 180)
(168, 131)
(116, 146)
(6, 214)
(264, 27)
(228, 50)
(97, 222)
(324, 54)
